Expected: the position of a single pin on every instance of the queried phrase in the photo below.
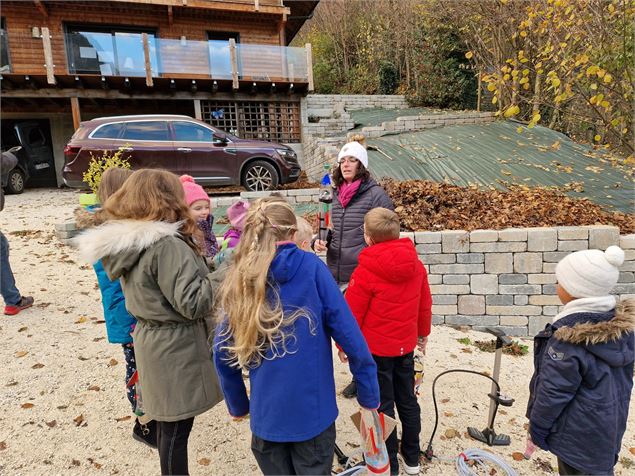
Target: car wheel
(260, 176)
(15, 182)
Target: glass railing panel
(220, 59)
(271, 63)
(183, 57)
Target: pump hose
(480, 456)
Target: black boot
(350, 391)
(146, 433)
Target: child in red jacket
(390, 298)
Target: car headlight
(287, 154)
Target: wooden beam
(257, 5)
(146, 54)
(48, 55)
(198, 114)
(216, 5)
(309, 65)
(77, 118)
(234, 63)
(170, 15)
(115, 94)
(42, 8)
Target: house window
(5, 63)
(115, 51)
(219, 58)
(273, 121)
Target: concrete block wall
(506, 278)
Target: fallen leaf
(81, 320)
(13, 383)
(97, 339)
(448, 414)
(502, 412)
(27, 405)
(112, 363)
(123, 418)
(526, 426)
(445, 400)
(451, 433)
(466, 350)
(79, 420)
(21, 353)
(94, 387)
(518, 456)
(3, 445)
(62, 407)
(204, 462)
(632, 450)
(22, 329)
(51, 424)
(37, 366)
(75, 462)
(81, 357)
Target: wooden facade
(173, 68)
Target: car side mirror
(219, 140)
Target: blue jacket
(119, 322)
(293, 397)
(581, 387)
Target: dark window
(150, 131)
(5, 64)
(189, 132)
(36, 138)
(116, 51)
(109, 131)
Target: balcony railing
(143, 55)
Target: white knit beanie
(590, 273)
(354, 149)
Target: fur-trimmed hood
(122, 242)
(602, 334)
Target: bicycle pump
(488, 435)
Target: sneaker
(350, 391)
(12, 310)
(146, 434)
(412, 470)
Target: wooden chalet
(225, 62)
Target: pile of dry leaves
(426, 205)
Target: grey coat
(167, 288)
(347, 238)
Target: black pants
(565, 469)
(314, 456)
(172, 439)
(396, 376)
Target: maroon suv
(184, 146)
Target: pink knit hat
(237, 213)
(193, 191)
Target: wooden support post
(48, 55)
(478, 94)
(148, 64)
(77, 118)
(234, 62)
(170, 16)
(309, 65)
(257, 5)
(198, 114)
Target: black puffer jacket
(347, 238)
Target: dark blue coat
(581, 387)
(292, 397)
(119, 322)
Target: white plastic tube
(482, 458)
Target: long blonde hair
(111, 180)
(256, 320)
(153, 195)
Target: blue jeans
(9, 292)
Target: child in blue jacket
(280, 307)
(581, 387)
(119, 322)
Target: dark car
(29, 143)
(182, 145)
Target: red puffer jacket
(390, 297)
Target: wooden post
(48, 55)
(234, 62)
(148, 64)
(257, 5)
(77, 117)
(197, 110)
(478, 94)
(284, 57)
(309, 65)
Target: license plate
(41, 166)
